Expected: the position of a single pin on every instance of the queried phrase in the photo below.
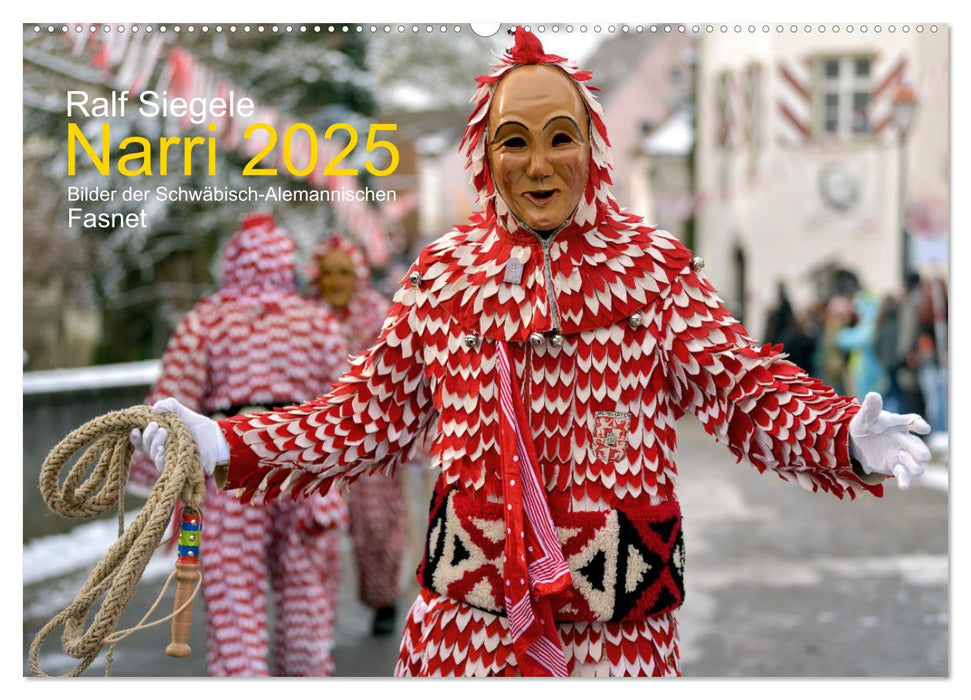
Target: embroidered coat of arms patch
(610, 435)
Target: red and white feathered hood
(258, 262)
(603, 265)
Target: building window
(723, 105)
(842, 97)
(753, 104)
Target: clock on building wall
(839, 187)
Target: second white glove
(883, 444)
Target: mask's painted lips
(540, 197)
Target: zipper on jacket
(545, 243)
(550, 295)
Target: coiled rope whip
(116, 576)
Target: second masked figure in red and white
(557, 339)
(254, 345)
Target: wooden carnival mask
(539, 145)
(337, 278)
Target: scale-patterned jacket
(644, 338)
(613, 334)
(253, 342)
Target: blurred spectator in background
(865, 373)
(932, 374)
(833, 359)
(799, 334)
(802, 341)
(908, 359)
(781, 322)
(340, 280)
(814, 323)
(257, 344)
(886, 332)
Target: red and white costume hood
(610, 334)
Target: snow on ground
(81, 548)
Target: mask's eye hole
(515, 142)
(562, 139)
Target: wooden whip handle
(186, 576)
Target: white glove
(213, 447)
(882, 442)
(151, 442)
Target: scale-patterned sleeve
(184, 375)
(763, 407)
(366, 424)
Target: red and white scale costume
(376, 502)
(257, 342)
(611, 334)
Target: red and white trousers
(291, 547)
(376, 504)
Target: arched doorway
(833, 280)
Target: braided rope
(115, 577)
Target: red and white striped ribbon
(534, 568)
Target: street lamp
(904, 106)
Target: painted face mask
(539, 146)
(536, 144)
(337, 278)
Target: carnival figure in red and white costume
(254, 345)
(558, 339)
(339, 278)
